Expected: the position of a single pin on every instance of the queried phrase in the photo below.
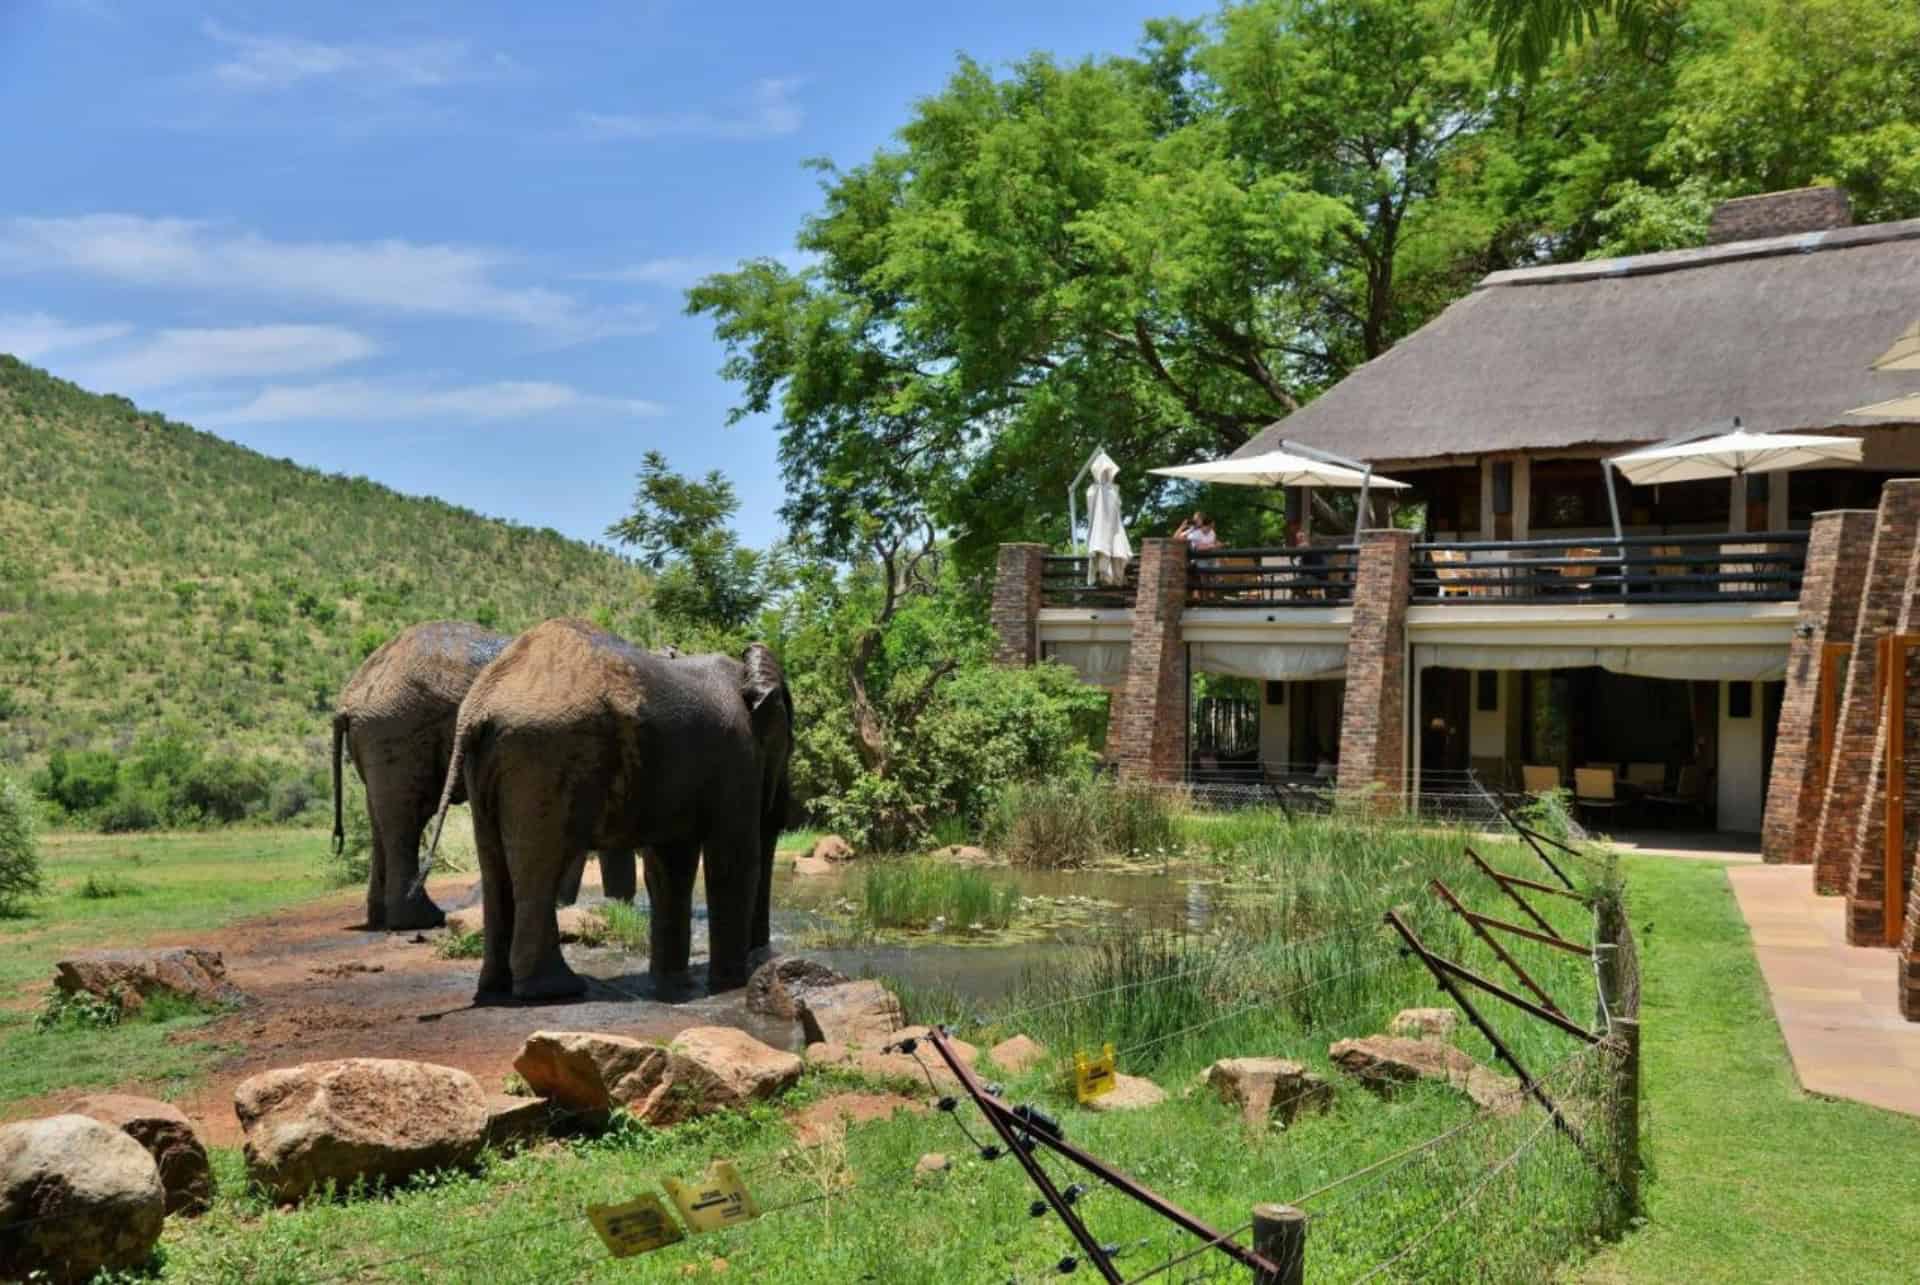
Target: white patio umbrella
(1289, 465)
(1905, 353)
(1907, 407)
(1733, 453)
(1108, 549)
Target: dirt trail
(324, 988)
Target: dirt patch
(817, 1122)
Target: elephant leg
(670, 870)
(496, 900)
(567, 890)
(617, 877)
(539, 970)
(377, 879)
(762, 930)
(733, 890)
(399, 825)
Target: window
(1487, 690)
(1739, 700)
(1276, 692)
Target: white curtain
(1299, 661)
(1108, 550)
(1101, 664)
(1746, 662)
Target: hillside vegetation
(166, 596)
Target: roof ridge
(1637, 265)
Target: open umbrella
(1730, 453)
(1289, 465)
(1907, 407)
(1905, 353)
(1108, 549)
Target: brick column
(1152, 740)
(1908, 966)
(1837, 553)
(1849, 775)
(1373, 720)
(1016, 603)
(1867, 874)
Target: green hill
(155, 579)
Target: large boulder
(1268, 1088)
(130, 978)
(1129, 1093)
(1016, 1054)
(862, 1013)
(169, 1138)
(1384, 1062)
(831, 847)
(705, 1069)
(962, 854)
(777, 986)
(76, 1197)
(1424, 1023)
(377, 1119)
(917, 1069)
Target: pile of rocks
(1417, 1048)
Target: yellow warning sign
(718, 1200)
(639, 1225)
(1093, 1076)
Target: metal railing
(1262, 578)
(1063, 583)
(1758, 566)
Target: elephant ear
(764, 685)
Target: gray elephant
(395, 718)
(573, 739)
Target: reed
(911, 894)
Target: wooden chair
(1450, 565)
(1651, 777)
(1593, 790)
(1538, 779)
(1579, 574)
(1689, 793)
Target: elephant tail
(446, 800)
(340, 722)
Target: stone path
(1835, 1002)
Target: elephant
(395, 718)
(574, 739)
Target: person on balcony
(1198, 532)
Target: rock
(1424, 1023)
(1017, 1053)
(777, 985)
(861, 1013)
(466, 921)
(930, 1164)
(1129, 1093)
(705, 1069)
(1383, 1062)
(966, 1052)
(891, 1067)
(812, 866)
(515, 1123)
(827, 1053)
(818, 1122)
(579, 925)
(132, 977)
(831, 847)
(361, 1117)
(964, 854)
(93, 1195)
(1265, 1088)
(168, 1137)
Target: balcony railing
(1063, 583)
(1761, 566)
(1260, 579)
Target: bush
(132, 809)
(1069, 821)
(79, 781)
(19, 848)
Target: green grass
(905, 893)
(1755, 1179)
(174, 886)
(627, 927)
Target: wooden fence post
(1280, 1237)
(1626, 1110)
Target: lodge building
(1517, 637)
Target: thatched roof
(1779, 332)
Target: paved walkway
(1835, 1002)
(1699, 845)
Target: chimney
(1805, 209)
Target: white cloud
(270, 63)
(382, 276)
(769, 112)
(32, 335)
(674, 271)
(195, 355)
(366, 400)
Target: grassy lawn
(1754, 1180)
(116, 890)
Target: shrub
(79, 1011)
(462, 946)
(19, 848)
(99, 887)
(9, 704)
(929, 894)
(1068, 821)
(369, 640)
(134, 808)
(79, 781)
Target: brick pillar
(1837, 553)
(1373, 720)
(1908, 967)
(1152, 742)
(1016, 603)
(1849, 776)
(1867, 875)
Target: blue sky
(444, 245)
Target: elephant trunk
(339, 830)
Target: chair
(1579, 574)
(1538, 779)
(1593, 790)
(1651, 777)
(1689, 792)
(1450, 565)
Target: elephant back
(430, 665)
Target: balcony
(1265, 578)
(1651, 570)
(1063, 583)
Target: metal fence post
(1626, 1110)
(1280, 1236)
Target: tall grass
(1071, 821)
(926, 894)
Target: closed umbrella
(1108, 549)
